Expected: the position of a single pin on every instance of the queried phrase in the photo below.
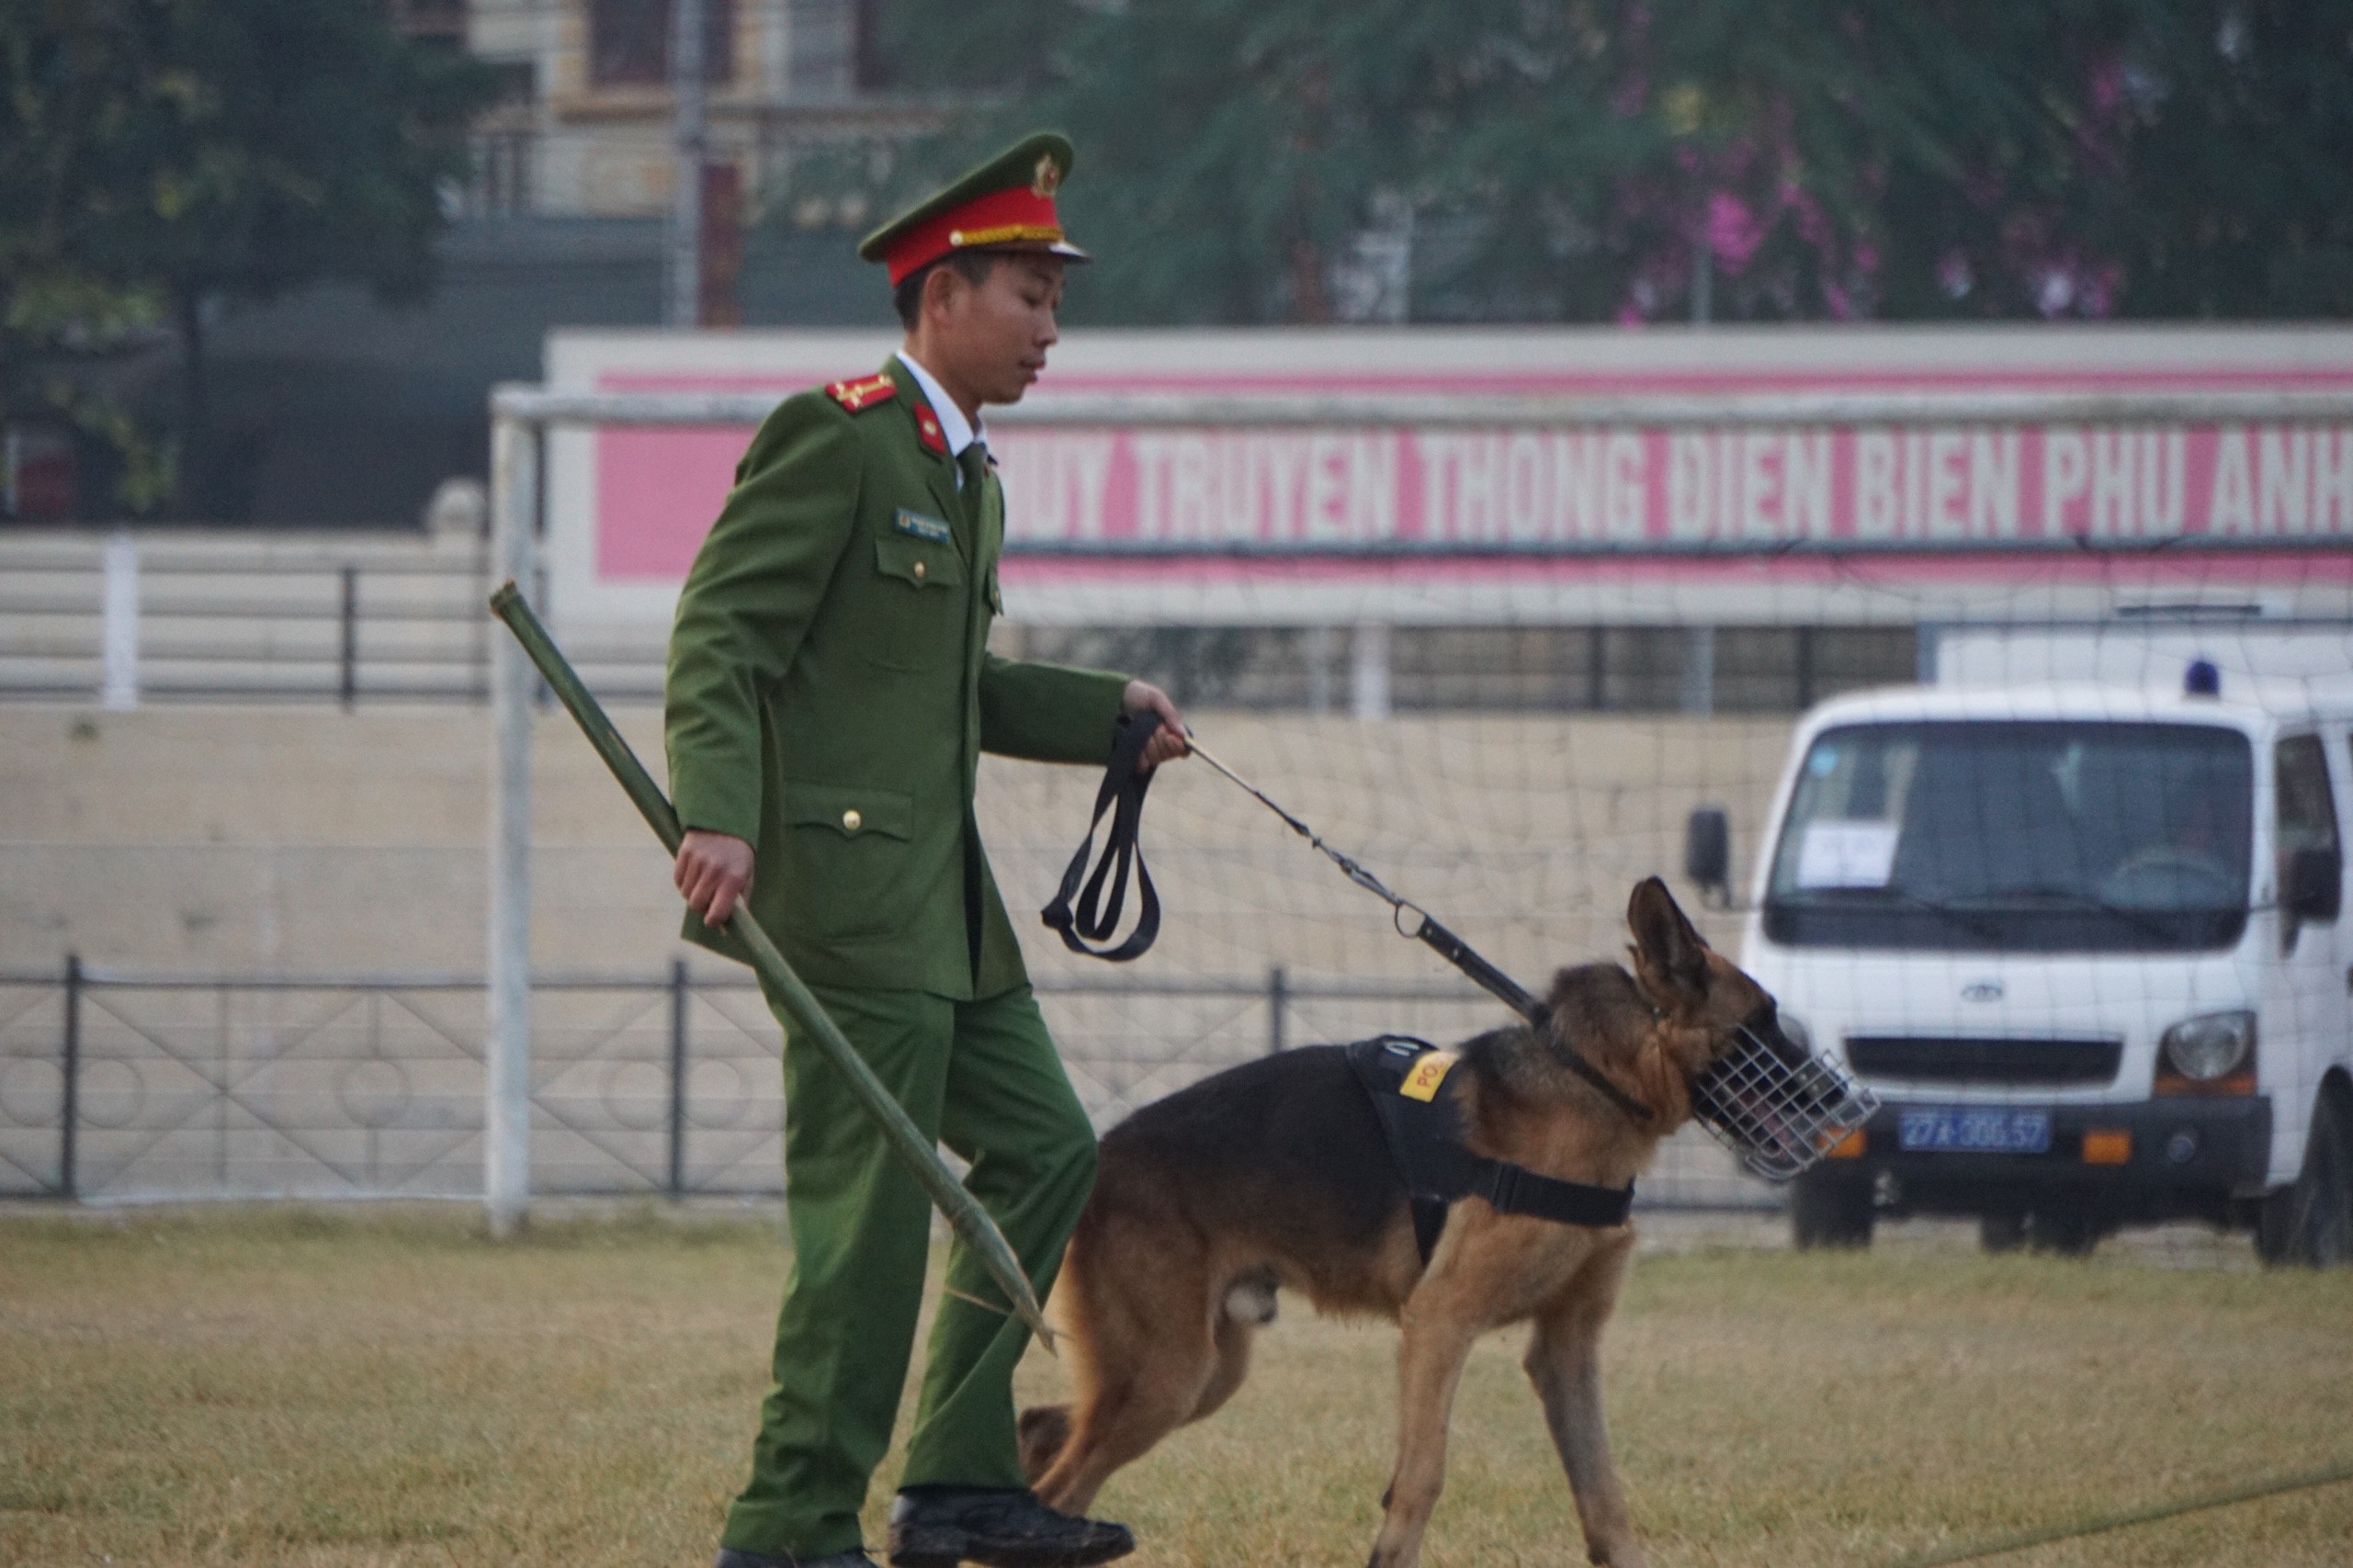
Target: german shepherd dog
(1275, 1174)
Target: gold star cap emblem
(1048, 177)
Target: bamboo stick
(964, 1212)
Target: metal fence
(129, 620)
(123, 1087)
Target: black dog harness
(1411, 1084)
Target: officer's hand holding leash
(1172, 739)
(714, 870)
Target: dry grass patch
(278, 1387)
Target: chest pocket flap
(852, 810)
(919, 562)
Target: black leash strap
(1462, 956)
(1095, 917)
(1445, 943)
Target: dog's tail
(1045, 1429)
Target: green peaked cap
(1006, 203)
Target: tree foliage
(1603, 158)
(71, 90)
(159, 158)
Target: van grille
(1933, 1060)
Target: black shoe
(729, 1557)
(999, 1529)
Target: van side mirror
(1707, 852)
(2310, 890)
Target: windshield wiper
(2138, 919)
(1971, 920)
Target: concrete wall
(311, 843)
(194, 838)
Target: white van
(2085, 941)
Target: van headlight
(2212, 1046)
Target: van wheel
(2001, 1233)
(2064, 1231)
(1829, 1211)
(2309, 1223)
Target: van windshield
(2033, 837)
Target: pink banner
(1547, 488)
(1962, 486)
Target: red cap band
(1016, 215)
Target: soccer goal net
(1970, 723)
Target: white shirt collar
(953, 425)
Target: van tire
(1829, 1212)
(2063, 1230)
(2005, 1231)
(2309, 1223)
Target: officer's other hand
(1168, 742)
(714, 870)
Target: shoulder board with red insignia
(863, 394)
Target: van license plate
(1975, 1132)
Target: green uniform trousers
(983, 1077)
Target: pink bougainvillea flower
(1734, 232)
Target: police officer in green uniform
(829, 694)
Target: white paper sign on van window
(1846, 854)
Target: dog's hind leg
(1564, 1362)
(1133, 1406)
(1144, 1320)
(1044, 1432)
(1249, 1305)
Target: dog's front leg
(1563, 1362)
(1439, 1330)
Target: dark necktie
(973, 463)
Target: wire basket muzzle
(1777, 1116)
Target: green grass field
(287, 1386)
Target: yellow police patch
(1423, 1080)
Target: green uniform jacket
(830, 693)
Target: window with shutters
(628, 42)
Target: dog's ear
(1670, 956)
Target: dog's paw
(1044, 1431)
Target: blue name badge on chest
(922, 527)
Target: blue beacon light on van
(2203, 678)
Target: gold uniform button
(918, 571)
(851, 820)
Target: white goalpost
(1439, 583)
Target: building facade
(588, 126)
